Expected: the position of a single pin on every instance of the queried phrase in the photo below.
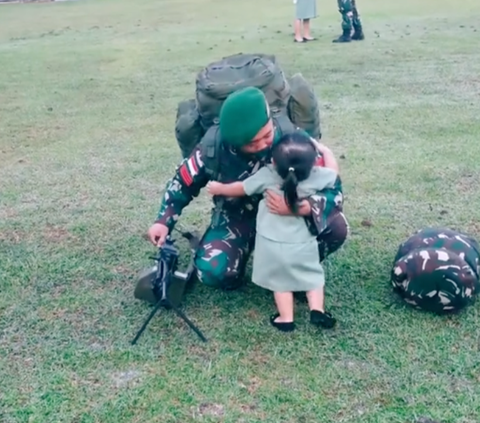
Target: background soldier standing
(246, 132)
(350, 22)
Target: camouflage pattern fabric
(437, 270)
(224, 250)
(350, 17)
(336, 230)
(229, 239)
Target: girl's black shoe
(325, 320)
(284, 327)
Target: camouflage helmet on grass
(437, 270)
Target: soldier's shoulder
(284, 123)
(286, 127)
(212, 133)
(210, 141)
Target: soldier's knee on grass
(334, 236)
(216, 277)
(339, 227)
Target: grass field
(88, 95)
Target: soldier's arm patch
(190, 168)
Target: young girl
(286, 256)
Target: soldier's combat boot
(358, 34)
(344, 38)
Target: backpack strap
(283, 124)
(212, 148)
(211, 151)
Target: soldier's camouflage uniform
(437, 269)
(350, 21)
(229, 240)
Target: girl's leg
(283, 320)
(316, 299)
(318, 316)
(284, 302)
(298, 31)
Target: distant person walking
(304, 11)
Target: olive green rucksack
(290, 99)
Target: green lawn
(88, 95)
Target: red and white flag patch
(191, 168)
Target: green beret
(243, 114)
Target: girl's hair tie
(291, 169)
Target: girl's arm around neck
(329, 159)
(235, 189)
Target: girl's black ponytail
(294, 156)
(289, 188)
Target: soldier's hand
(304, 209)
(277, 205)
(157, 234)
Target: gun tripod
(168, 283)
(166, 302)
